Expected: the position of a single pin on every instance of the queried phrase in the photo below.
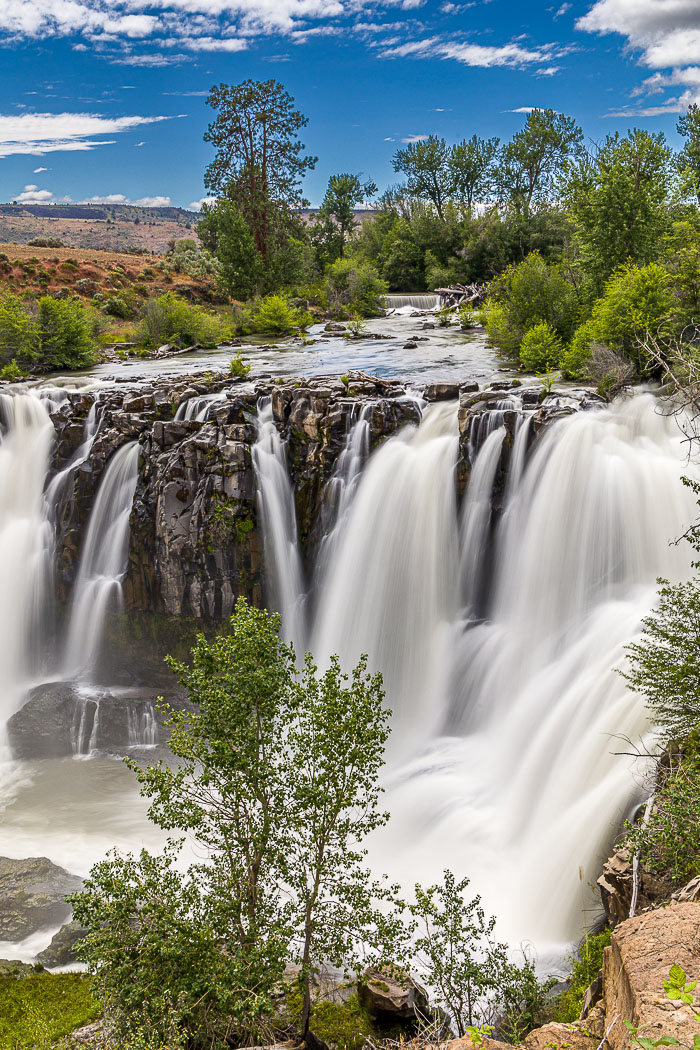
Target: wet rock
(32, 896)
(61, 951)
(410, 345)
(334, 326)
(57, 721)
(399, 996)
(445, 391)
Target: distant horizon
(106, 104)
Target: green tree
(65, 334)
(620, 196)
(466, 968)
(531, 162)
(426, 166)
(352, 287)
(472, 167)
(337, 212)
(275, 785)
(19, 338)
(225, 233)
(689, 157)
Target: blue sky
(106, 98)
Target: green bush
(636, 299)
(541, 348)
(525, 295)
(276, 316)
(238, 367)
(576, 356)
(169, 319)
(467, 316)
(116, 307)
(353, 287)
(585, 965)
(19, 339)
(66, 334)
(11, 371)
(185, 256)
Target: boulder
(555, 1035)
(410, 345)
(61, 951)
(641, 953)
(446, 391)
(33, 896)
(689, 892)
(334, 326)
(392, 993)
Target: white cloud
(35, 134)
(31, 194)
(140, 144)
(197, 205)
(481, 55)
(410, 139)
(562, 10)
(38, 170)
(665, 34)
(524, 109)
(121, 198)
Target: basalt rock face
(196, 539)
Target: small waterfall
(59, 486)
(199, 408)
(284, 576)
(420, 301)
(103, 562)
(26, 436)
(341, 488)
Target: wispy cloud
(36, 134)
(513, 54)
(158, 201)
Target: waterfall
(390, 588)
(408, 302)
(59, 486)
(284, 576)
(25, 542)
(103, 562)
(199, 408)
(503, 762)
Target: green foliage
(66, 334)
(526, 295)
(275, 315)
(467, 970)
(541, 348)
(357, 326)
(336, 217)
(185, 256)
(689, 157)
(11, 371)
(343, 1026)
(238, 366)
(620, 197)
(467, 317)
(444, 316)
(585, 965)
(575, 357)
(169, 319)
(531, 162)
(224, 231)
(425, 165)
(352, 288)
(291, 759)
(37, 1010)
(19, 339)
(636, 299)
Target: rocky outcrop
(61, 951)
(57, 721)
(32, 896)
(196, 542)
(385, 993)
(639, 958)
(616, 887)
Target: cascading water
(284, 576)
(503, 761)
(25, 542)
(198, 409)
(59, 486)
(408, 302)
(103, 563)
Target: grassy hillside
(116, 227)
(29, 270)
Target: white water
(502, 760)
(284, 576)
(199, 408)
(103, 562)
(410, 301)
(25, 543)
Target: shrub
(169, 319)
(11, 371)
(541, 348)
(274, 314)
(575, 357)
(66, 330)
(467, 316)
(116, 307)
(585, 965)
(353, 287)
(238, 367)
(444, 316)
(19, 339)
(636, 299)
(525, 295)
(46, 242)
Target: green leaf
(677, 976)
